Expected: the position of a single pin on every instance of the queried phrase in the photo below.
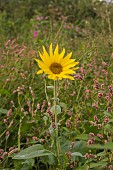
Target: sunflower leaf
(56, 109)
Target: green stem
(57, 34)
(10, 125)
(19, 131)
(79, 91)
(46, 92)
(55, 113)
(56, 124)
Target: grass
(84, 106)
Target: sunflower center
(56, 68)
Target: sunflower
(55, 65)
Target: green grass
(85, 105)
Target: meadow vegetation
(84, 106)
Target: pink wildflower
(35, 33)
(95, 119)
(35, 138)
(5, 120)
(112, 55)
(100, 135)
(91, 135)
(9, 113)
(111, 167)
(104, 64)
(100, 94)
(99, 126)
(38, 106)
(82, 71)
(106, 120)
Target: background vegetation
(86, 116)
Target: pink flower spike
(35, 34)
(112, 55)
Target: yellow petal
(41, 64)
(39, 72)
(66, 76)
(75, 68)
(45, 59)
(47, 71)
(69, 71)
(45, 52)
(52, 76)
(61, 55)
(36, 60)
(56, 51)
(56, 54)
(66, 59)
(70, 65)
(60, 78)
(44, 67)
(70, 77)
(68, 62)
(51, 51)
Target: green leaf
(86, 137)
(80, 146)
(111, 120)
(63, 105)
(107, 113)
(50, 159)
(108, 127)
(66, 129)
(108, 145)
(101, 154)
(64, 144)
(51, 131)
(77, 154)
(45, 118)
(32, 152)
(18, 164)
(29, 162)
(84, 167)
(3, 111)
(50, 87)
(58, 109)
(102, 164)
(83, 137)
(4, 91)
(25, 167)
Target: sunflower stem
(55, 113)
(56, 124)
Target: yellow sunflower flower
(55, 65)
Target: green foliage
(24, 165)
(84, 106)
(32, 152)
